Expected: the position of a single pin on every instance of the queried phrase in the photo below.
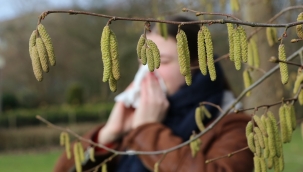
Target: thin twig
(295, 98)
(212, 104)
(276, 60)
(198, 13)
(219, 21)
(274, 18)
(227, 155)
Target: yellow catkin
(260, 125)
(299, 28)
(162, 28)
(266, 150)
(150, 59)
(36, 64)
(199, 118)
(283, 126)
(114, 55)
(257, 164)
(260, 137)
(48, 44)
(276, 164)
(140, 45)
(270, 162)
(263, 164)
(67, 146)
(92, 154)
(104, 167)
(269, 36)
(32, 42)
(288, 119)
(247, 80)
(293, 117)
(112, 84)
(237, 48)
(62, 138)
(206, 112)
(283, 66)
(257, 146)
(255, 53)
(202, 53)
(209, 53)
(300, 98)
(77, 158)
(244, 46)
(187, 53)
(250, 55)
(271, 138)
(105, 50)
(192, 146)
(181, 53)
(248, 129)
(281, 162)
(274, 34)
(81, 151)
(188, 79)
(156, 53)
(230, 40)
(42, 54)
(250, 142)
(278, 142)
(156, 167)
(298, 81)
(143, 55)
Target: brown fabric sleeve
(227, 136)
(66, 165)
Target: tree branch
(227, 155)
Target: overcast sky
(12, 8)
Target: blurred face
(169, 69)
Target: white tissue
(131, 97)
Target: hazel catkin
(48, 44)
(32, 41)
(202, 53)
(250, 55)
(250, 142)
(199, 119)
(237, 48)
(244, 46)
(36, 64)
(257, 164)
(277, 139)
(248, 129)
(283, 127)
(298, 81)
(104, 167)
(299, 28)
(182, 55)
(143, 55)
(105, 50)
(150, 59)
(271, 138)
(114, 55)
(112, 84)
(140, 45)
(156, 53)
(188, 79)
(257, 145)
(247, 80)
(92, 154)
(293, 116)
(288, 119)
(255, 53)
(209, 53)
(230, 40)
(283, 66)
(260, 137)
(260, 125)
(77, 158)
(42, 54)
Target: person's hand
(118, 123)
(153, 102)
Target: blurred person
(164, 120)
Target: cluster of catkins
(299, 28)
(78, 151)
(41, 52)
(265, 141)
(149, 53)
(110, 58)
(194, 145)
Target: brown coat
(227, 136)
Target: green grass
(29, 162)
(44, 161)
